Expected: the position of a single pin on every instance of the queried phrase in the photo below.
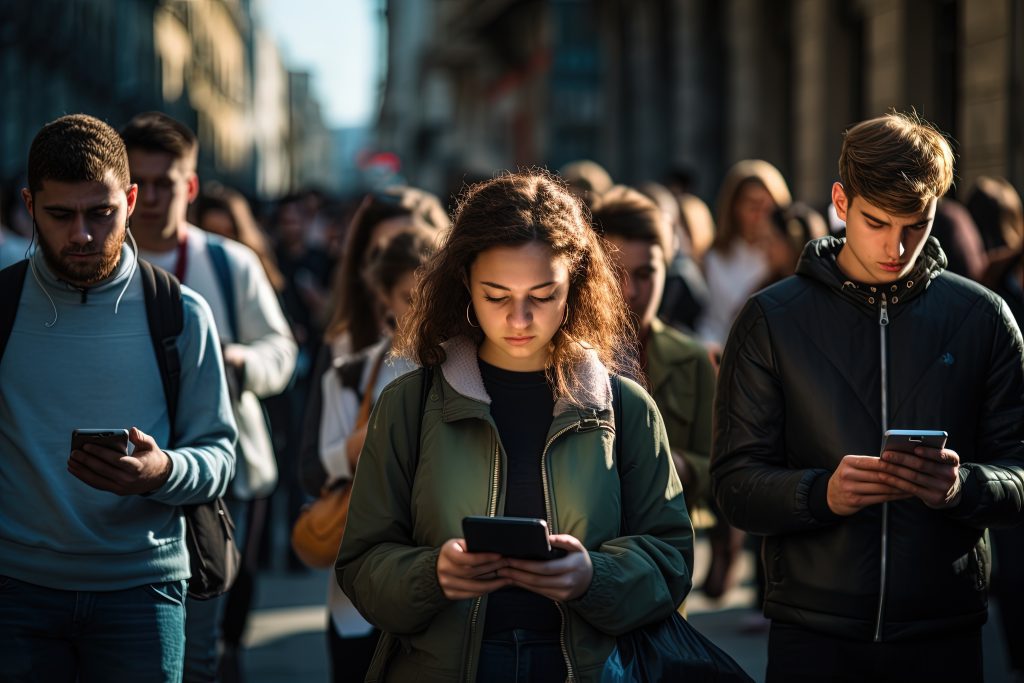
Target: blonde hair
(898, 162)
(744, 172)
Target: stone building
(647, 86)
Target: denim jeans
(60, 636)
(521, 656)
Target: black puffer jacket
(801, 385)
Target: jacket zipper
(883, 324)
(492, 510)
(563, 632)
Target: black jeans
(521, 656)
(796, 655)
(350, 657)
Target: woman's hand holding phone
(563, 579)
(462, 574)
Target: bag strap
(367, 401)
(617, 414)
(221, 268)
(166, 318)
(12, 280)
(428, 381)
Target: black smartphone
(115, 439)
(524, 538)
(906, 440)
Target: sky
(336, 40)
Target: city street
(286, 640)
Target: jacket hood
(462, 372)
(819, 263)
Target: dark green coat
(682, 382)
(403, 511)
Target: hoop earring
(468, 319)
(566, 318)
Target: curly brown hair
(511, 210)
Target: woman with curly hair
(520, 327)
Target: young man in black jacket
(877, 563)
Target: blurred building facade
(644, 87)
(209, 63)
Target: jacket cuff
(817, 499)
(970, 494)
(426, 591)
(596, 596)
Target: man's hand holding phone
(931, 474)
(858, 482)
(107, 466)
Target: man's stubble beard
(84, 274)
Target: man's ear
(839, 201)
(193, 187)
(26, 196)
(132, 195)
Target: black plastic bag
(671, 650)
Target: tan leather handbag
(320, 526)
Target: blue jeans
(521, 656)
(62, 636)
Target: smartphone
(524, 538)
(906, 440)
(115, 439)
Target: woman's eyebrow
(495, 285)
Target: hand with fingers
(858, 482)
(931, 474)
(106, 469)
(563, 579)
(463, 574)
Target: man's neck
(163, 241)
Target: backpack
(209, 531)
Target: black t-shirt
(521, 405)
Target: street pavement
(286, 643)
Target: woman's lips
(518, 341)
(891, 267)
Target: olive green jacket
(402, 511)
(682, 382)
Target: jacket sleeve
(203, 457)
(755, 489)
(992, 490)
(312, 475)
(652, 560)
(264, 335)
(391, 580)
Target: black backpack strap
(166, 317)
(428, 381)
(12, 279)
(219, 259)
(617, 416)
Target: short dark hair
(76, 148)
(629, 214)
(155, 131)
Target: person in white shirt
(259, 350)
